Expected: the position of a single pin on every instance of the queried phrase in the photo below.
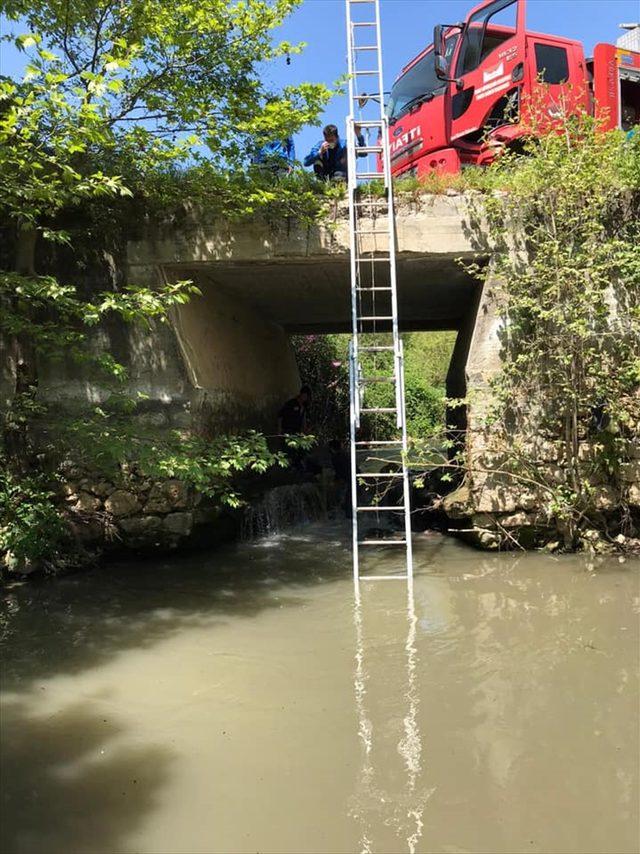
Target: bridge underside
(228, 353)
(312, 295)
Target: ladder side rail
(393, 282)
(353, 243)
(379, 58)
(406, 485)
(354, 477)
(386, 167)
(352, 184)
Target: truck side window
(486, 30)
(552, 64)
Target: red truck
(462, 99)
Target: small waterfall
(284, 507)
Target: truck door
(558, 79)
(490, 64)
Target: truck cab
(471, 92)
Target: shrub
(32, 529)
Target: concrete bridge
(229, 352)
(226, 357)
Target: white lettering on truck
(405, 139)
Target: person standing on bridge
(329, 156)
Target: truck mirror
(439, 44)
(441, 67)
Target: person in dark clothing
(329, 156)
(341, 463)
(292, 418)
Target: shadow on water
(66, 625)
(65, 788)
(68, 785)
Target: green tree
(114, 96)
(165, 77)
(120, 101)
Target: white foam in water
(284, 507)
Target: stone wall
(493, 510)
(151, 516)
(136, 513)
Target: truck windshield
(418, 82)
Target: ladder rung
(361, 1)
(369, 149)
(365, 95)
(369, 474)
(373, 317)
(364, 24)
(376, 348)
(373, 260)
(366, 47)
(364, 73)
(374, 289)
(378, 231)
(381, 442)
(373, 508)
(364, 175)
(380, 409)
(382, 542)
(377, 380)
(369, 123)
(383, 577)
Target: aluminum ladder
(375, 351)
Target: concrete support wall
(150, 355)
(241, 366)
(462, 360)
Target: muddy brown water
(239, 702)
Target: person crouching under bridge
(329, 157)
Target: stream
(240, 700)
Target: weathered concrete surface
(241, 365)
(261, 281)
(299, 277)
(227, 353)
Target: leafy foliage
(323, 365)
(57, 321)
(163, 78)
(31, 527)
(116, 446)
(566, 240)
(122, 108)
